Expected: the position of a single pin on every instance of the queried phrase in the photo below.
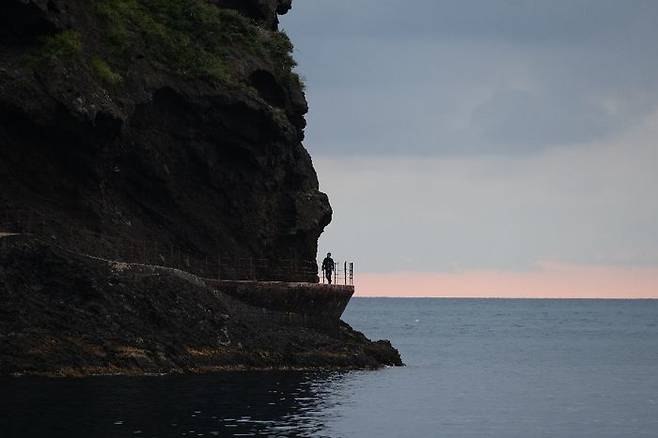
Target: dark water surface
(476, 368)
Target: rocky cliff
(177, 122)
(173, 122)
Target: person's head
(328, 254)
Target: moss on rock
(189, 37)
(104, 71)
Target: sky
(486, 147)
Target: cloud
(518, 120)
(592, 204)
(463, 143)
(439, 78)
(554, 22)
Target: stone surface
(313, 303)
(177, 151)
(264, 11)
(69, 315)
(175, 125)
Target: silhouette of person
(328, 266)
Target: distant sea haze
(547, 281)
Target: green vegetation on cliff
(62, 45)
(104, 71)
(190, 38)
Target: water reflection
(229, 404)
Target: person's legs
(328, 274)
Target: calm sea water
(475, 368)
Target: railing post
(28, 222)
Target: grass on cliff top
(105, 72)
(65, 44)
(190, 37)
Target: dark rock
(23, 20)
(65, 314)
(175, 153)
(263, 11)
(119, 138)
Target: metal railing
(217, 265)
(343, 273)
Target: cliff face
(173, 122)
(179, 122)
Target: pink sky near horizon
(549, 280)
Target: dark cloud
(490, 76)
(552, 21)
(516, 120)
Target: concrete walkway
(314, 301)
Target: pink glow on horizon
(550, 280)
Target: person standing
(328, 266)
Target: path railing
(343, 273)
(217, 265)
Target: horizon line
(455, 297)
(550, 280)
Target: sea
(474, 368)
